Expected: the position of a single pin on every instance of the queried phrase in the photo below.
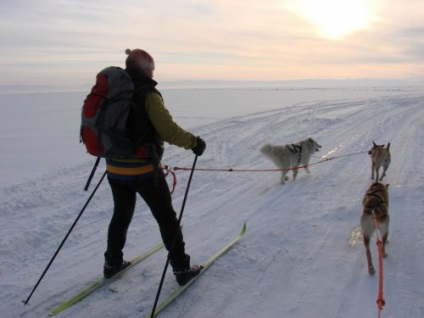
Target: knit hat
(140, 60)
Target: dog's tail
(265, 148)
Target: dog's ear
(374, 144)
(388, 146)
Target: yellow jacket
(167, 130)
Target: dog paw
(371, 270)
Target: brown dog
(375, 203)
(380, 157)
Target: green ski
(177, 291)
(99, 283)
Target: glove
(200, 147)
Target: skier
(151, 123)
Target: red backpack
(105, 113)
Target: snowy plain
(302, 255)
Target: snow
(302, 255)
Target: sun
(336, 18)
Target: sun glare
(336, 18)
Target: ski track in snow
(295, 259)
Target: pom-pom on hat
(140, 60)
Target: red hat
(141, 60)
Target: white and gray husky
(290, 156)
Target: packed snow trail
(296, 261)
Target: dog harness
(374, 194)
(295, 149)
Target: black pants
(155, 192)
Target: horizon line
(211, 83)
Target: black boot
(183, 271)
(109, 271)
(183, 277)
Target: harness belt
(295, 149)
(373, 194)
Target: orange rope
(172, 170)
(252, 170)
(380, 298)
(279, 169)
(169, 170)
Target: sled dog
(380, 157)
(375, 203)
(291, 156)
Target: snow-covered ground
(301, 257)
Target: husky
(380, 157)
(291, 156)
(375, 203)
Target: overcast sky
(66, 42)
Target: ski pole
(63, 242)
(179, 223)
(92, 174)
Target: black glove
(200, 147)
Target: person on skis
(150, 122)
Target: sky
(66, 42)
